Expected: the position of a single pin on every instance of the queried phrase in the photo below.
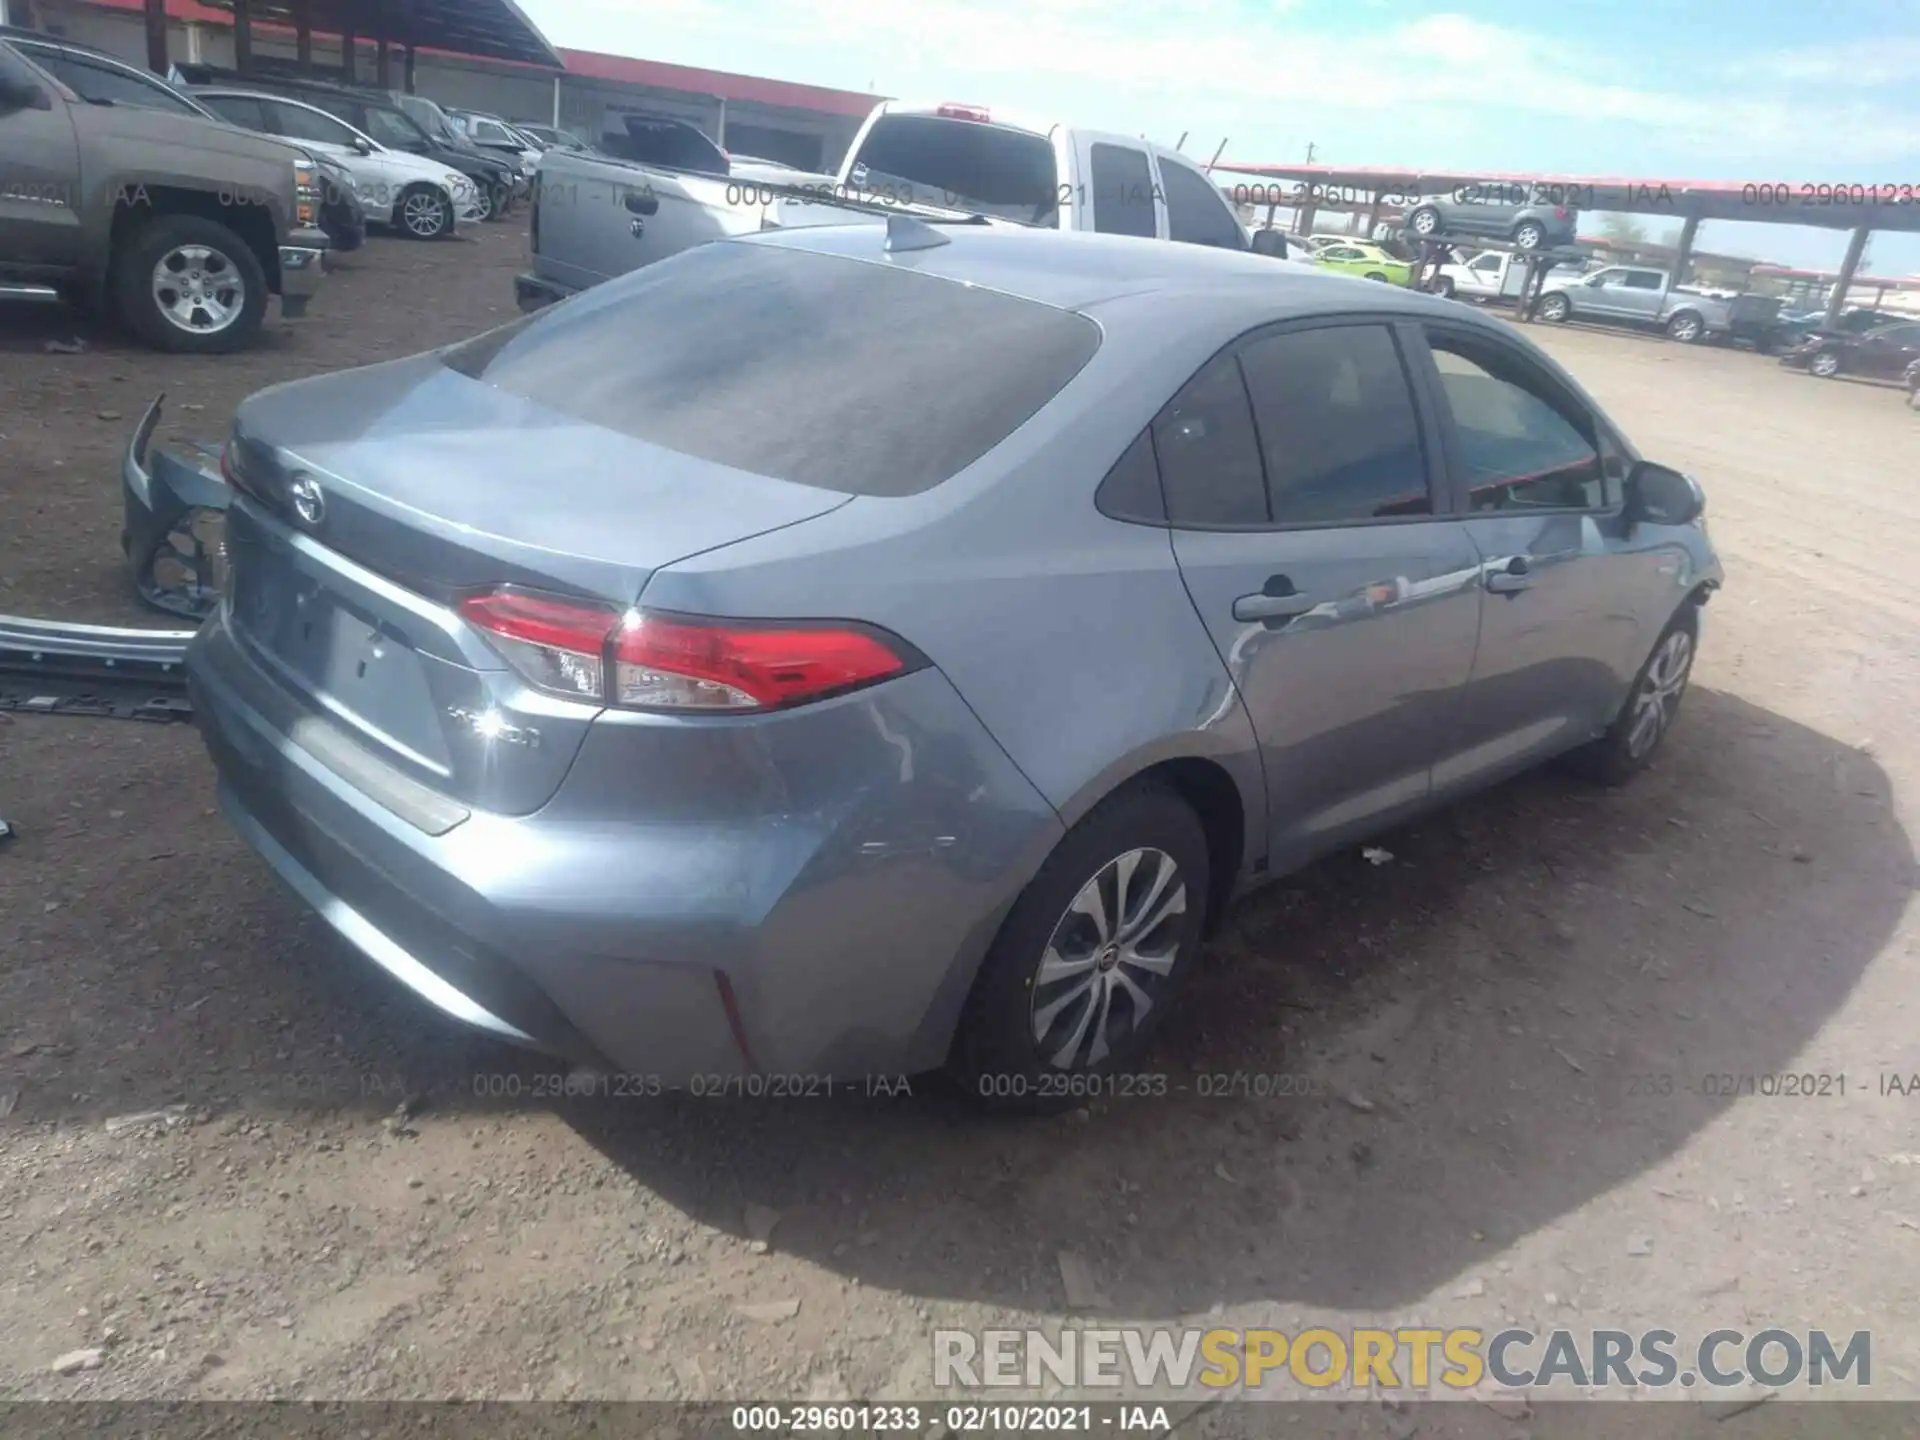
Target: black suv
(371, 112)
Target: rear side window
(1337, 426)
(963, 164)
(1122, 191)
(1209, 454)
(297, 123)
(837, 373)
(1196, 214)
(242, 110)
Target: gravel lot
(1473, 1025)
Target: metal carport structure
(489, 29)
(1860, 209)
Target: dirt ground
(1471, 1037)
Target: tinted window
(241, 110)
(824, 371)
(1523, 445)
(1122, 191)
(299, 124)
(1337, 426)
(1209, 456)
(109, 84)
(963, 164)
(392, 129)
(1131, 490)
(672, 143)
(1644, 280)
(1195, 212)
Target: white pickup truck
(595, 217)
(1489, 276)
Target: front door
(1539, 482)
(1886, 353)
(1344, 607)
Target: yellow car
(1370, 262)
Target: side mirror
(20, 94)
(362, 145)
(642, 202)
(1657, 495)
(1271, 242)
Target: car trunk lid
(372, 500)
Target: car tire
(496, 201)
(1825, 365)
(232, 286)
(423, 212)
(1556, 308)
(1629, 746)
(1378, 275)
(1686, 328)
(1529, 235)
(482, 200)
(1441, 285)
(1124, 844)
(1425, 222)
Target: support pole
(406, 69)
(1856, 246)
(721, 124)
(156, 18)
(1683, 254)
(382, 63)
(243, 36)
(1373, 214)
(349, 52)
(556, 100)
(303, 32)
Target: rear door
(1641, 295)
(1569, 603)
(1197, 213)
(1306, 523)
(1117, 190)
(1886, 353)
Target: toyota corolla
(880, 648)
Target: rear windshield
(963, 165)
(842, 374)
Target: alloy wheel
(1826, 364)
(198, 289)
(1658, 699)
(1110, 957)
(424, 214)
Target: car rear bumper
(807, 894)
(536, 292)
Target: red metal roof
(630, 70)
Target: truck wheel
(1555, 308)
(1686, 327)
(1442, 285)
(190, 285)
(424, 213)
(1528, 235)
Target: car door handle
(1278, 600)
(1515, 577)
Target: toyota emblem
(309, 502)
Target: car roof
(1082, 272)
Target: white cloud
(1210, 66)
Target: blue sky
(1756, 90)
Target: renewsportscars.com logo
(1402, 1359)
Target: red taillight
(652, 661)
(962, 112)
(1560, 213)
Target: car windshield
(823, 371)
(962, 165)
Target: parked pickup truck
(1631, 295)
(595, 217)
(180, 225)
(1490, 276)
